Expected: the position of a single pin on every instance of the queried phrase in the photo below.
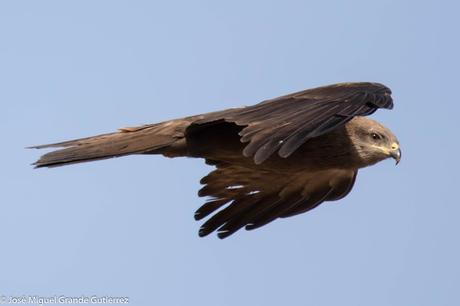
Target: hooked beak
(396, 154)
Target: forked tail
(153, 138)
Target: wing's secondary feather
(250, 198)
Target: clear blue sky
(124, 227)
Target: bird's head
(373, 142)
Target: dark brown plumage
(275, 159)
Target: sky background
(125, 227)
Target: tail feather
(126, 141)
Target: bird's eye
(376, 136)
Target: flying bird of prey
(276, 159)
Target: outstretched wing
(244, 197)
(283, 124)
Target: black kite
(275, 159)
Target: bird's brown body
(332, 150)
(275, 159)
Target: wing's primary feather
(283, 124)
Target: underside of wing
(242, 197)
(283, 124)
